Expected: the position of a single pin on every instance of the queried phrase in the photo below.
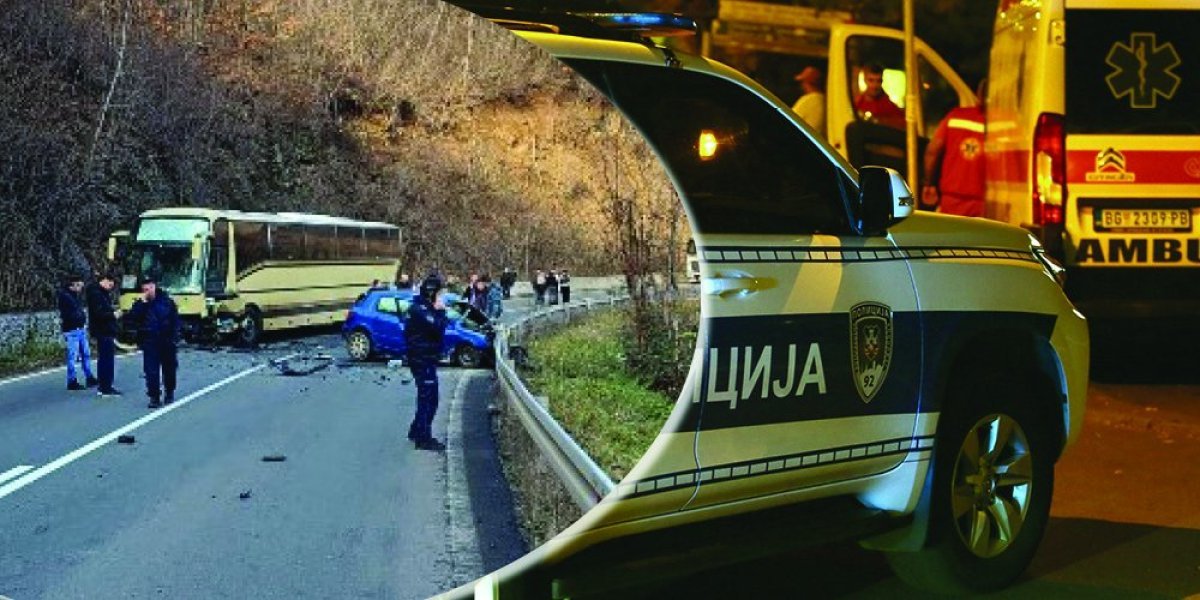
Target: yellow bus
(238, 274)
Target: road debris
(304, 364)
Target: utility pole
(912, 97)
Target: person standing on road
(423, 335)
(102, 323)
(71, 313)
(479, 293)
(811, 104)
(495, 300)
(954, 162)
(539, 288)
(507, 280)
(157, 320)
(552, 287)
(564, 285)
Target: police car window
(1128, 71)
(742, 165)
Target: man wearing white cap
(811, 105)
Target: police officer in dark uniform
(423, 333)
(157, 321)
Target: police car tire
(360, 339)
(468, 357)
(946, 565)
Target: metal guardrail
(584, 479)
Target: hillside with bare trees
(487, 152)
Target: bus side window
(320, 242)
(351, 244)
(287, 242)
(218, 259)
(250, 245)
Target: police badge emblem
(870, 346)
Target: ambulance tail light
(1049, 169)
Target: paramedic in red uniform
(954, 162)
(874, 103)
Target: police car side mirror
(884, 200)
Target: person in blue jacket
(157, 320)
(423, 335)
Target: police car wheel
(250, 328)
(993, 481)
(467, 357)
(358, 345)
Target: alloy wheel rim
(992, 485)
(358, 345)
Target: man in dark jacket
(423, 335)
(102, 323)
(564, 286)
(157, 321)
(74, 319)
(507, 279)
(552, 288)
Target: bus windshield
(164, 249)
(171, 264)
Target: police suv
(917, 371)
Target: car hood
(925, 229)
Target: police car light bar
(588, 24)
(647, 24)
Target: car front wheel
(358, 345)
(993, 481)
(468, 357)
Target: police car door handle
(735, 283)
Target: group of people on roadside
(550, 286)
(953, 161)
(485, 294)
(92, 309)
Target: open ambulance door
(865, 138)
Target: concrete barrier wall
(15, 328)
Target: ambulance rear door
(1132, 127)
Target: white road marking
(14, 472)
(108, 438)
(465, 559)
(53, 370)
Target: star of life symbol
(1110, 166)
(1142, 70)
(969, 148)
(870, 347)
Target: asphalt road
(192, 510)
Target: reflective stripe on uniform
(967, 124)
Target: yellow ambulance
(1093, 143)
